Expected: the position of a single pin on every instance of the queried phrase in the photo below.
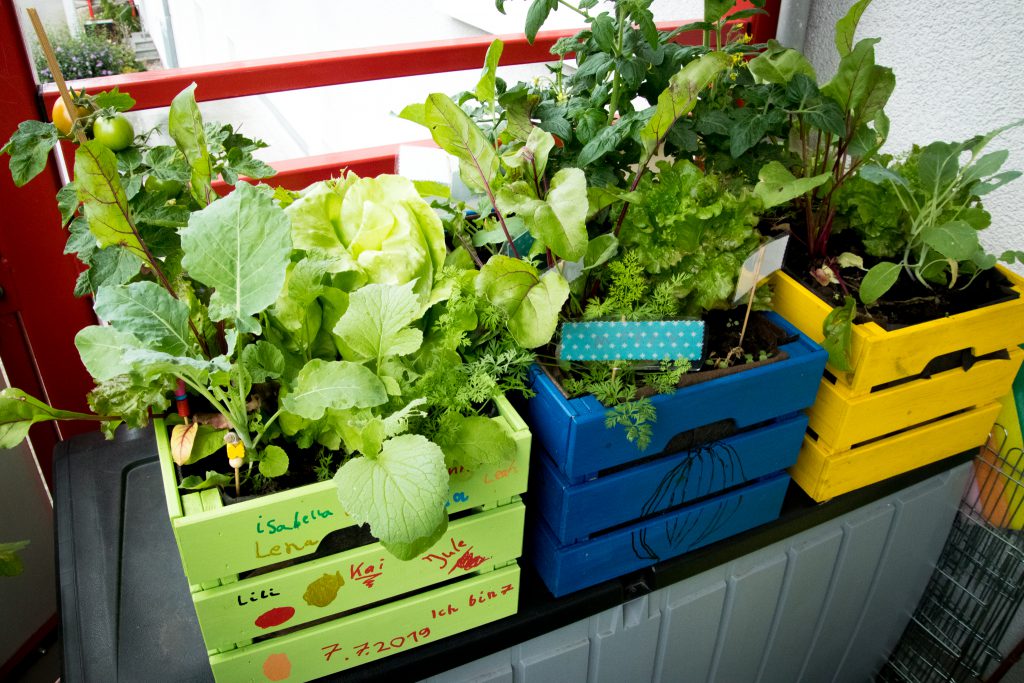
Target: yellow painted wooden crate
(882, 418)
(273, 605)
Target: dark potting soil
(908, 302)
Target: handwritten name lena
(273, 526)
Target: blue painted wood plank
(574, 511)
(565, 569)
(574, 435)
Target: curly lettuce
(691, 229)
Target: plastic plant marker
(649, 340)
(765, 260)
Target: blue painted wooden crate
(575, 511)
(573, 433)
(565, 569)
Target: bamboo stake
(750, 300)
(58, 77)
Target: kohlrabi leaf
(274, 462)
(475, 441)
(532, 301)
(401, 493)
(336, 385)
(240, 246)
(485, 86)
(681, 95)
(457, 134)
(185, 124)
(776, 185)
(878, 281)
(102, 348)
(19, 411)
(213, 480)
(377, 322)
(152, 364)
(147, 311)
(955, 240)
(103, 198)
(263, 361)
(29, 148)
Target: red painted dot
(275, 617)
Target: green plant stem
(613, 105)
(266, 426)
(572, 7)
(243, 434)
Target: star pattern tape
(648, 340)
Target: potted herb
(573, 223)
(920, 325)
(332, 367)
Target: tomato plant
(114, 132)
(168, 187)
(61, 118)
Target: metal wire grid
(978, 582)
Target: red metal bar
(260, 76)
(37, 278)
(764, 27)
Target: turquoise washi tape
(648, 340)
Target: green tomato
(168, 188)
(114, 132)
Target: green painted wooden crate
(219, 543)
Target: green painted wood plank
(269, 529)
(374, 633)
(344, 581)
(167, 472)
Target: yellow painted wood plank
(824, 475)
(880, 356)
(841, 419)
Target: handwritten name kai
(272, 526)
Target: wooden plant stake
(236, 457)
(58, 77)
(750, 300)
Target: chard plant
(569, 213)
(302, 324)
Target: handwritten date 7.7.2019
(378, 647)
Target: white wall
(957, 74)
